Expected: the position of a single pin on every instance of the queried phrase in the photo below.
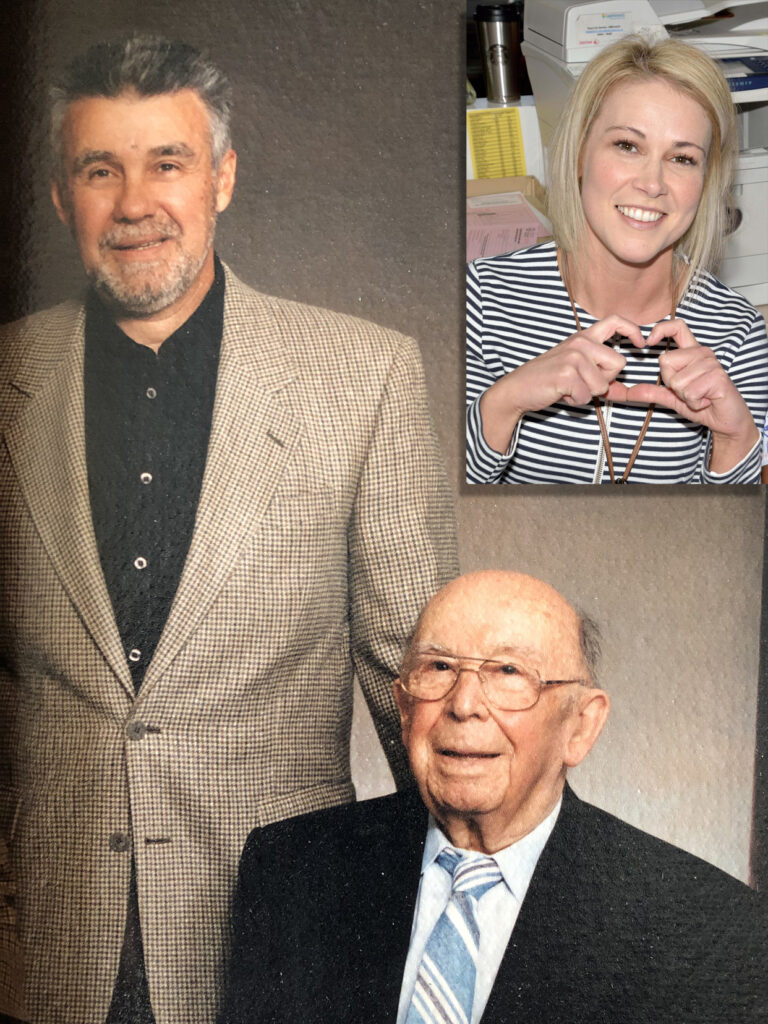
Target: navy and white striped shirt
(518, 308)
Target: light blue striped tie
(445, 984)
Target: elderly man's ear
(403, 702)
(585, 723)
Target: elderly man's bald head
(494, 593)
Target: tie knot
(474, 875)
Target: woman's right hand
(574, 371)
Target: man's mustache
(136, 234)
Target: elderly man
(524, 904)
(214, 507)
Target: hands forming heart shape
(584, 366)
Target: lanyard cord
(596, 400)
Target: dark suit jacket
(616, 927)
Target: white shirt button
(151, 393)
(146, 478)
(140, 562)
(134, 655)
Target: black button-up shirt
(147, 426)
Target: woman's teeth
(647, 216)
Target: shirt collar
(517, 862)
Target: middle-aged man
(214, 507)
(524, 905)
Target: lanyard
(596, 401)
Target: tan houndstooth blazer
(324, 523)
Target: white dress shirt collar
(516, 862)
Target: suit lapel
(536, 974)
(46, 442)
(387, 874)
(253, 437)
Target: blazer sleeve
(11, 960)
(402, 540)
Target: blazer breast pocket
(293, 569)
(303, 532)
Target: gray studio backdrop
(349, 129)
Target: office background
(349, 129)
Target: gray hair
(590, 645)
(148, 65)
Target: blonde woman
(613, 353)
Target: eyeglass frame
(478, 671)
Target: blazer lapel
(46, 442)
(253, 436)
(381, 891)
(537, 973)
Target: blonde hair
(694, 74)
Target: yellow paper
(496, 142)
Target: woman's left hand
(697, 387)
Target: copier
(561, 36)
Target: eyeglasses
(509, 687)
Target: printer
(561, 36)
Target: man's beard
(141, 289)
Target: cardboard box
(531, 188)
(505, 227)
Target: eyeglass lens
(506, 685)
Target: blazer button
(119, 842)
(136, 730)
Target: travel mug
(499, 29)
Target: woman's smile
(642, 172)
